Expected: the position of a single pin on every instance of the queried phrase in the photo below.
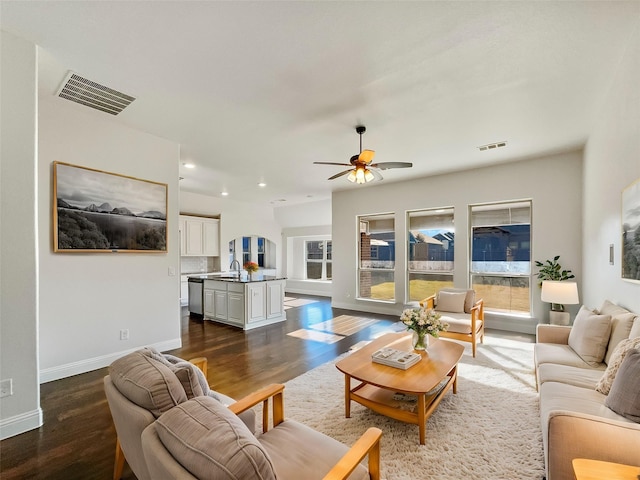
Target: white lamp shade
(564, 293)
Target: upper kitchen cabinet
(199, 236)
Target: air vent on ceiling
(491, 146)
(92, 94)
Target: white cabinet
(209, 304)
(184, 290)
(220, 304)
(275, 299)
(210, 238)
(235, 303)
(244, 304)
(199, 236)
(256, 302)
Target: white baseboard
(89, 364)
(18, 424)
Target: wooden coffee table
(380, 385)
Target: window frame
(363, 222)
(506, 274)
(443, 211)
(326, 245)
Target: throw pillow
(211, 442)
(625, 346)
(147, 382)
(451, 301)
(624, 397)
(589, 335)
(621, 324)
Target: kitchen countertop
(225, 277)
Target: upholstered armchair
(464, 314)
(200, 439)
(143, 385)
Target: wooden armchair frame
(477, 323)
(367, 444)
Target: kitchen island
(242, 302)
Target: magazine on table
(395, 358)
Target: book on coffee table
(395, 358)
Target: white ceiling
(259, 90)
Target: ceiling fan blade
(388, 165)
(366, 156)
(332, 163)
(340, 174)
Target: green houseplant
(552, 270)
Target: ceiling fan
(363, 170)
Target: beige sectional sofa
(575, 367)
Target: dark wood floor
(77, 440)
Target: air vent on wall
(491, 146)
(92, 94)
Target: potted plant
(551, 277)
(551, 270)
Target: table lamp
(559, 294)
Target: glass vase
(420, 340)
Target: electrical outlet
(124, 334)
(172, 271)
(6, 388)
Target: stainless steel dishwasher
(195, 295)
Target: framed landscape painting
(97, 211)
(631, 232)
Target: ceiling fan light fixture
(352, 176)
(368, 176)
(360, 177)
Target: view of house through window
(501, 256)
(318, 259)
(430, 257)
(377, 255)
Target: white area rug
(344, 325)
(489, 430)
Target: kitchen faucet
(235, 260)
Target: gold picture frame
(631, 233)
(97, 211)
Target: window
(318, 259)
(377, 254)
(261, 247)
(501, 256)
(430, 257)
(246, 250)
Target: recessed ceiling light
(262, 184)
(188, 165)
(224, 194)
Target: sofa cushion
(624, 347)
(211, 442)
(451, 301)
(147, 383)
(469, 300)
(624, 396)
(295, 448)
(579, 377)
(589, 335)
(562, 355)
(460, 323)
(635, 329)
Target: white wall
(86, 299)
(612, 162)
(306, 221)
(553, 183)
(237, 219)
(18, 231)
